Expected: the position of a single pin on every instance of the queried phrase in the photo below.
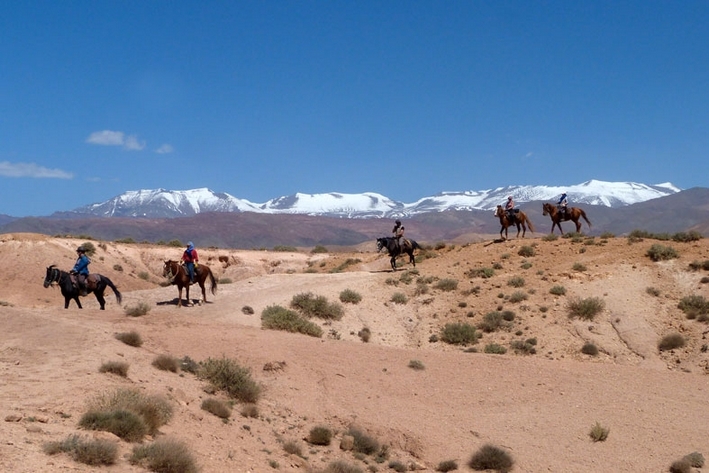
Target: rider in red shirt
(189, 257)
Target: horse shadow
(176, 301)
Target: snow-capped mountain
(161, 203)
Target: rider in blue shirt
(81, 269)
(563, 203)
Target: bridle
(167, 272)
(53, 277)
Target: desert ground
(539, 406)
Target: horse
(95, 283)
(574, 214)
(177, 275)
(520, 219)
(407, 246)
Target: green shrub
(316, 306)
(115, 367)
(686, 237)
(122, 423)
(550, 237)
(216, 407)
(319, 249)
(585, 309)
(557, 290)
(285, 249)
(446, 285)
(137, 310)
(166, 363)
(659, 252)
(399, 298)
(693, 306)
(348, 296)
(94, 452)
(599, 433)
(484, 273)
(524, 347)
(491, 322)
(164, 456)
(459, 334)
(589, 348)
(579, 267)
(279, 318)
(495, 349)
(526, 251)
(490, 457)
(518, 296)
(516, 281)
(131, 338)
(155, 411)
(320, 435)
(225, 374)
(671, 341)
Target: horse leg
(204, 292)
(524, 230)
(393, 263)
(78, 302)
(179, 296)
(578, 226)
(412, 260)
(101, 300)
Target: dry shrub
(340, 466)
(122, 423)
(416, 365)
(447, 465)
(164, 456)
(671, 341)
(363, 443)
(399, 298)
(216, 407)
(166, 363)
(115, 367)
(153, 410)
(681, 466)
(589, 348)
(137, 310)
(226, 374)
(458, 333)
(446, 285)
(293, 447)
(320, 435)
(316, 306)
(131, 338)
(249, 410)
(695, 459)
(585, 309)
(490, 457)
(248, 310)
(599, 433)
(365, 334)
(279, 318)
(349, 296)
(93, 452)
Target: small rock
(13, 418)
(347, 443)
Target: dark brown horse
(407, 247)
(574, 214)
(178, 276)
(520, 220)
(94, 283)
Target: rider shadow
(496, 240)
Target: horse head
(170, 269)
(380, 244)
(546, 209)
(499, 211)
(52, 275)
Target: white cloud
(115, 138)
(165, 149)
(106, 138)
(9, 169)
(133, 144)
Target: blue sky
(262, 99)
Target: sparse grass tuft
(446, 285)
(94, 452)
(484, 273)
(320, 435)
(227, 375)
(671, 341)
(458, 333)
(526, 251)
(216, 407)
(550, 237)
(140, 309)
(557, 290)
(399, 298)
(153, 411)
(131, 338)
(348, 296)
(516, 281)
(363, 443)
(447, 465)
(490, 457)
(115, 367)
(276, 317)
(166, 363)
(293, 447)
(518, 296)
(164, 456)
(599, 433)
(693, 306)
(495, 349)
(585, 309)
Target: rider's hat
(81, 249)
(398, 222)
(509, 197)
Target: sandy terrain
(540, 407)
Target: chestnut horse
(520, 219)
(175, 272)
(574, 214)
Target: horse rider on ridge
(398, 232)
(81, 269)
(510, 208)
(563, 203)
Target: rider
(190, 258)
(563, 203)
(81, 269)
(510, 207)
(398, 232)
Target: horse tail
(212, 283)
(414, 245)
(109, 283)
(529, 222)
(583, 214)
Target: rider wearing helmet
(563, 203)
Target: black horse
(95, 283)
(407, 246)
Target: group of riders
(562, 205)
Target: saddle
(91, 281)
